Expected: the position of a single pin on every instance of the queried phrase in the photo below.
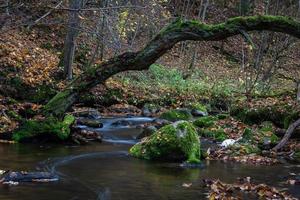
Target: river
(105, 171)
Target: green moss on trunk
(175, 32)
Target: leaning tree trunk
(287, 135)
(175, 32)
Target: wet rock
(123, 109)
(146, 112)
(90, 114)
(150, 110)
(91, 135)
(12, 177)
(174, 142)
(90, 123)
(122, 123)
(198, 113)
(158, 123)
(83, 136)
(266, 143)
(147, 132)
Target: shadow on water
(105, 171)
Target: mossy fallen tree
(179, 30)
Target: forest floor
(30, 76)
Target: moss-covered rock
(50, 127)
(175, 142)
(204, 122)
(176, 115)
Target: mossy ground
(178, 141)
(204, 122)
(280, 113)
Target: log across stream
(105, 171)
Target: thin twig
(97, 9)
(48, 13)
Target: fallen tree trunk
(175, 32)
(287, 135)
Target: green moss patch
(176, 115)
(175, 142)
(204, 122)
(50, 127)
(217, 134)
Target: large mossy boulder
(176, 115)
(174, 142)
(50, 128)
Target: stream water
(105, 171)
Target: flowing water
(105, 171)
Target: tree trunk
(287, 135)
(70, 41)
(298, 91)
(175, 32)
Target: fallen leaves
(243, 189)
(34, 65)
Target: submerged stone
(174, 142)
(147, 132)
(90, 123)
(13, 177)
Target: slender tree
(70, 41)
